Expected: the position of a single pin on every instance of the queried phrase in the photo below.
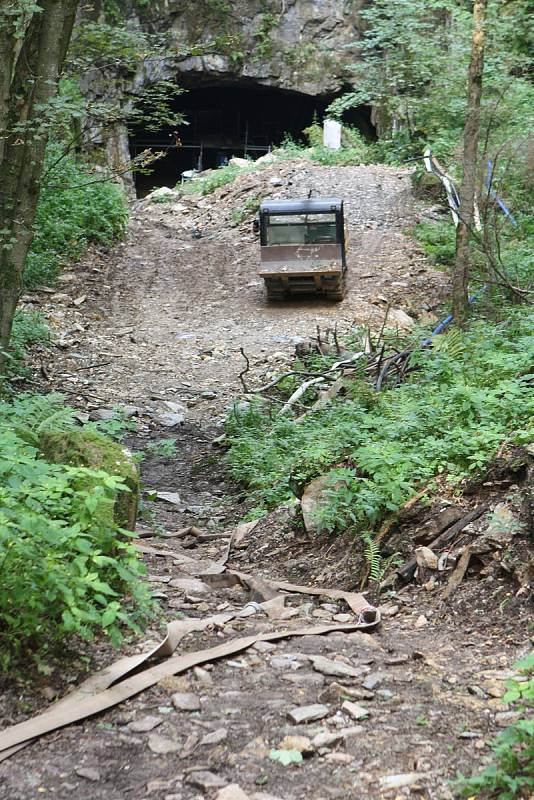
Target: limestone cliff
(301, 45)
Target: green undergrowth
(215, 179)
(74, 209)
(510, 773)
(354, 149)
(438, 240)
(511, 246)
(67, 568)
(469, 393)
(29, 328)
(249, 208)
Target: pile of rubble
(282, 178)
(241, 197)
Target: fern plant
(373, 558)
(452, 343)
(30, 415)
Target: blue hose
(447, 321)
(493, 195)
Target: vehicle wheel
(337, 290)
(274, 288)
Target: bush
(469, 393)
(353, 150)
(70, 214)
(344, 157)
(66, 568)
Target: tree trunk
(460, 277)
(31, 82)
(118, 156)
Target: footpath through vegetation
(266, 551)
(157, 365)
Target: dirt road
(182, 307)
(165, 317)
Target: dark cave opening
(226, 121)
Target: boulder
(163, 192)
(397, 318)
(268, 158)
(311, 501)
(235, 161)
(82, 448)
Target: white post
(332, 134)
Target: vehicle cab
(303, 247)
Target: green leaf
(110, 614)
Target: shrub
(468, 394)
(72, 211)
(353, 150)
(166, 448)
(214, 179)
(66, 568)
(249, 208)
(344, 157)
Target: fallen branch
(174, 534)
(458, 574)
(299, 392)
(244, 372)
(324, 398)
(200, 535)
(392, 361)
(337, 367)
(407, 571)
(281, 378)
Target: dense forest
(131, 128)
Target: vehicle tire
(337, 290)
(274, 289)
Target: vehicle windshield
(301, 229)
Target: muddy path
(163, 321)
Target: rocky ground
(157, 325)
(167, 313)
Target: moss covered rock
(427, 185)
(90, 449)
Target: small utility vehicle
(303, 246)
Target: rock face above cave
(303, 45)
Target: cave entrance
(226, 121)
